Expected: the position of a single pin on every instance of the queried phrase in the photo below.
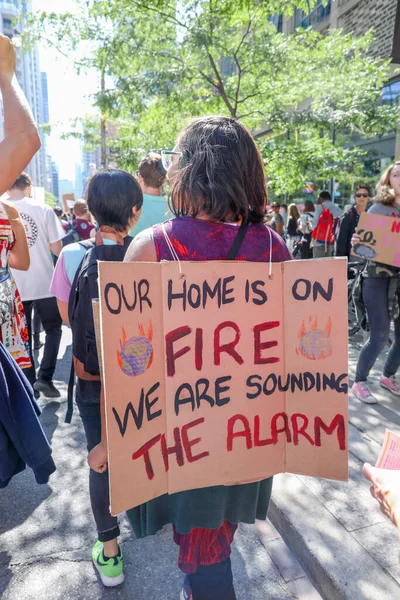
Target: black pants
(213, 582)
(49, 315)
(88, 401)
(375, 296)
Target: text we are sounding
(241, 344)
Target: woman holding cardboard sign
(218, 196)
(381, 297)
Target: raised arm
(19, 255)
(21, 140)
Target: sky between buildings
(68, 95)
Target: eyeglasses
(362, 195)
(167, 157)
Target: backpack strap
(237, 242)
(70, 397)
(89, 245)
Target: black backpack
(71, 237)
(85, 362)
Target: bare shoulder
(142, 248)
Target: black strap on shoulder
(237, 242)
(71, 384)
(87, 245)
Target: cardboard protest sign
(389, 456)
(380, 239)
(223, 375)
(68, 201)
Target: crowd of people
(217, 189)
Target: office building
(65, 186)
(91, 163)
(358, 17)
(79, 190)
(55, 180)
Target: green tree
(50, 199)
(171, 61)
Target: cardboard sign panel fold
(222, 374)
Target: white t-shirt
(42, 228)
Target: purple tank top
(195, 239)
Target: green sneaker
(111, 571)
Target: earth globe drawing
(136, 354)
(315, 343)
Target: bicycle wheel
(353, 324)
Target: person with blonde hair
(381, 297)
(293, 232)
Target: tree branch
(220, 86)
(166, 16)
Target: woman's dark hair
(220, 172)
(364, 186)
(111, 195)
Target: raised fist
(7, 60)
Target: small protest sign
(379, 239)
(389, 456)
(68, 201)
(223, 375)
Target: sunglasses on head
(358, 195)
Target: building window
(315, 16)
(7, 24)
(391, 93)
(277, 20)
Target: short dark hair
(220, 172)
(58, 210)
(308, 204)
(283, 205)
(325, 195)
(152, 170)
(22, 182)
(111, 196)
(364, 186)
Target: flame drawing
(314, 343)
(135, 355)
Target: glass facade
(277, 20)
(314, 17)
(391, 93)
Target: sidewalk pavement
(347, 547)
(47, 531)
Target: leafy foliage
(171, 61)
(50, 199)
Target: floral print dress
(14, 333)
